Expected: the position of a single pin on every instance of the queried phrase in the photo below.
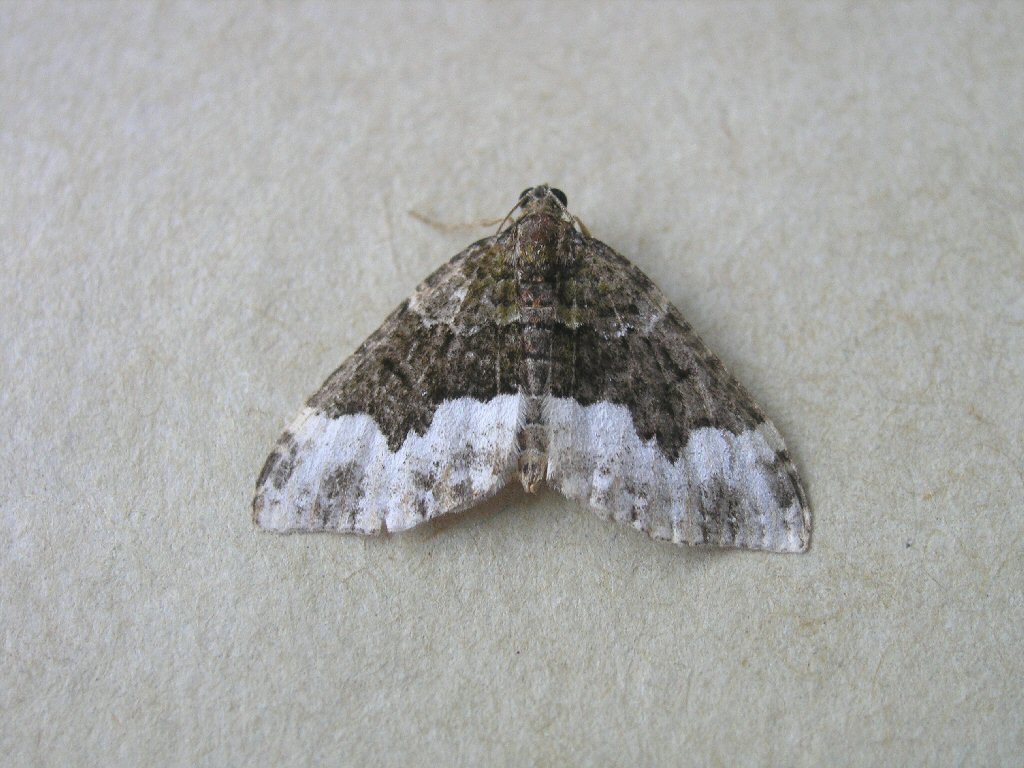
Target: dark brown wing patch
(622, 342)
(457, 336)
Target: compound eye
(525, 192)
(561, 196)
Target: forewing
(420, 421)
(648, 427)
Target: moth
(537, 354)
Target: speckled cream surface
(206, 207)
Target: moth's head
(542, 198)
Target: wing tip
(260, 517)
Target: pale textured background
(205, 208)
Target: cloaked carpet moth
(539, 354)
